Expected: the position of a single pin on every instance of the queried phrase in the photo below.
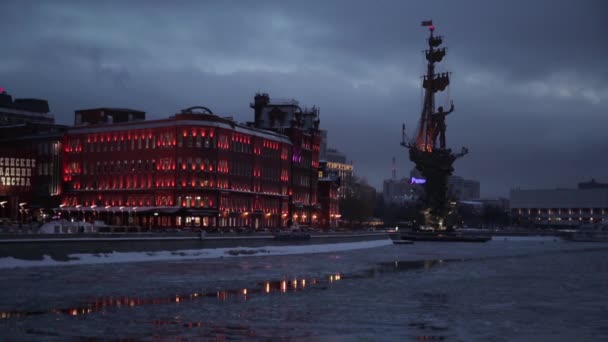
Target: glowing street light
(3, 204)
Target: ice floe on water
(190, 254)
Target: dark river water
(504, 290)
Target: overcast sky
(529, 82)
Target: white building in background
(463, 189)
(400, 191)
(561, 207)
(412, 188)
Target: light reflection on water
(269, 287)
(450, 303)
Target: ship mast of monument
(431, 124)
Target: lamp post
(21, 213)
(78, 206)
(108, 214)
(135, 222)
(94, 213)
(122, 217)
(3, 204)
(61, 206)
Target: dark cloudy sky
(530, 78)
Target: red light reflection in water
(106, 303)
(278, 286)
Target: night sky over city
(529, 78)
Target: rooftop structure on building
(281, 114)
(20, 111)
(97, 116)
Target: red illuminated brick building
(194, 169)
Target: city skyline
(530, 102)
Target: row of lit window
(206, 201)
(147, 183)
(242, 204)
(166, 164)
(118, 201)
(580, 219)
(578, 211)
(195, 201)
(131, 144)
(163, 137)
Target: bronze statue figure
(438, 124)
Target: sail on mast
(432, 83)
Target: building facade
(30, 159)
(401, 191)
(329, 183)
(337, 163)
(301, 127)
(560, 207)
(194, 169)
(463, 189)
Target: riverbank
(59, 247)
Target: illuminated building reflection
(268, 287)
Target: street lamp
(63, 205)
(21, 212)
(135, 217)
(122, 217)
(78, 206)
(93, 207)
(108, 214)
(3, 204)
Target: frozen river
(509, 289)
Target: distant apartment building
(586, 204)
(401, 191)
(337, 162)
(412, 188)
(463, 189)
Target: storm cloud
(530, 78)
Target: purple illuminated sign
(415, 180)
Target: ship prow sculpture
(428, 148)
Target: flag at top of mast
(428, 23)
